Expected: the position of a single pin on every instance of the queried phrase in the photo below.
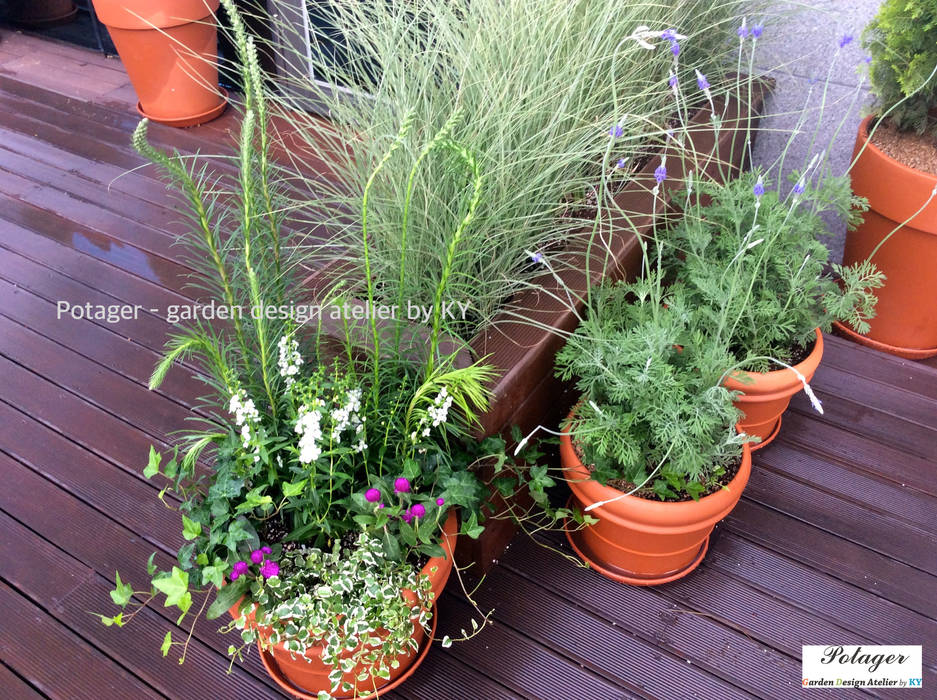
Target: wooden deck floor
(835, 540)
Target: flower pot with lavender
(752, 266)
(895, 169)
(323, 478)
(651, 453)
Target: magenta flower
(440, 501)
(407, 517)
(372, 495)
(257, 556)
(381, 506)
(238, 570)
(402, 485)
(265, 549)
(418, 511)
(269, 568)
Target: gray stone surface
(800, 50)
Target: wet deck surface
(834, 541)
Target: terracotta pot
(641, 541)
(312, 675)
(767, 395)
(41, 13)
(170, 51)
(905, 322)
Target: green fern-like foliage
(653, 412)
(902, 42)
(755, 272)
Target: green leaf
(171, 469)
(118, 620)
(214, 573)
(176, 587)
(122, 593)
(167, 642)
(150, 566)
(152, 465)
(190, 528)
(226, 597)
(294, 489)
(391, 546)
(472, 528)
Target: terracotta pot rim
(906, 353)
(153, 16)
(653, 515)
(778, 382)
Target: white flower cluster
(246, 418)
(290, 359)
(309, 428)
(436, 415)
(346, 417)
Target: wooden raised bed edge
(527, 393)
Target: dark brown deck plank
(885, 369)
(15, 688)
(80, 673)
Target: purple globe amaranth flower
(402, 485)
(257, 556)
(616, 131)
(660, 174)
(407, 516)
(440, 501)
(382, 506)
(757, 30)
(702, 81)
(240, 568)
(265, 549)
(269, 569)
(372, 495)
(844, 40)
(418, 511)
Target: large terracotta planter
(312, 675)
(641, 541)
(170, 51)
(905, 322)
(767, 394)
(41, 13)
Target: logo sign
(864, 666)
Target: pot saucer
(907, 353)
(622, 576)
(767, 441)
(273, 669)
(194, 119)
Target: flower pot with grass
(754, 268)
(651, 453)
(170, 51)
(317, 492)
(895, 168)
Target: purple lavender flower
(257, 556)
(742, 31)
(537, 258)
(402, 485)
(759, 188)
(269, 569)
(675, 48)
(757, 30)
(672, 81)
(867, 59)
(669, 34)
(372, 495)
(620, 163)
(846, 39)
(660, 174)
(799, 188)
(616, 131)
(702, 81)
(440, 501)
(240, 568)
(418, 511)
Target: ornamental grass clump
(538, 84)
